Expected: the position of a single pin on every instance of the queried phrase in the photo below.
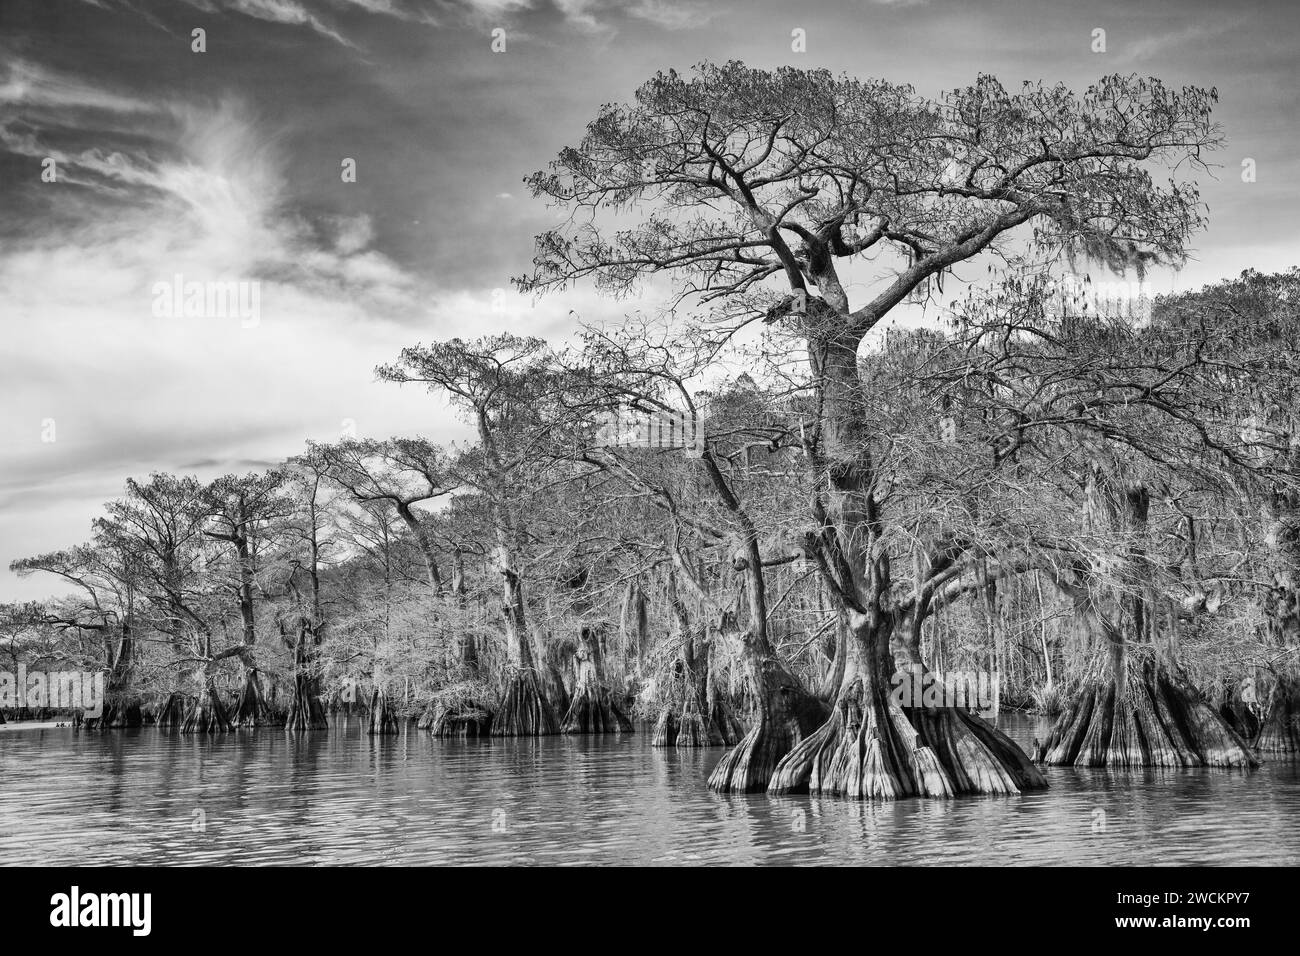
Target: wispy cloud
(33, 86)
(288, 11)
(1150, 46)
(674, 14)
(593, 17)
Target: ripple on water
(268, 798)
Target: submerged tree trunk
(1151, 721)
(206, 714)
(1133, 710)
(1280, 730)
(1240, 712)
(781, 711)
(686, 718)
(718, 704)
(525, 710)
(172, 713)
(870, 748)
(593, 709)
(120, 710)
(252, 709)
(554, 673)
(382, 719)
(305, 709)
(696, 726)
(457, 718)
(121, 705)
(873, 747)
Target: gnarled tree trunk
(782, 714)
(382, 720)
(1280, 730)
(686, 717)
(305, 709)
(172, 713)
(873, 747)
(1134, 710)
(121, 705)
(781, 710)
(206, 714)
(460, 718)
(524, 709)
(593, 709)
(870, 747)
(634, 624)
(252, 709)
(695, 725)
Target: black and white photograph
(650, 433)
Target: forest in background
(739, 514)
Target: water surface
(265, 797)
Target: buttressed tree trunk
(454, 713)
(252, 709)
(696, 726)
(206, 714)
(525, 710)
(781, 711)
(1134, 709)
(592, 709)
(171, 715)
(686, 719)
(305, 709)
(457, 718)
(671, 697)
(869, 748)
(121, 705)
(1280, 732)
(555, 672)
(382, 719)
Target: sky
(229, 165)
